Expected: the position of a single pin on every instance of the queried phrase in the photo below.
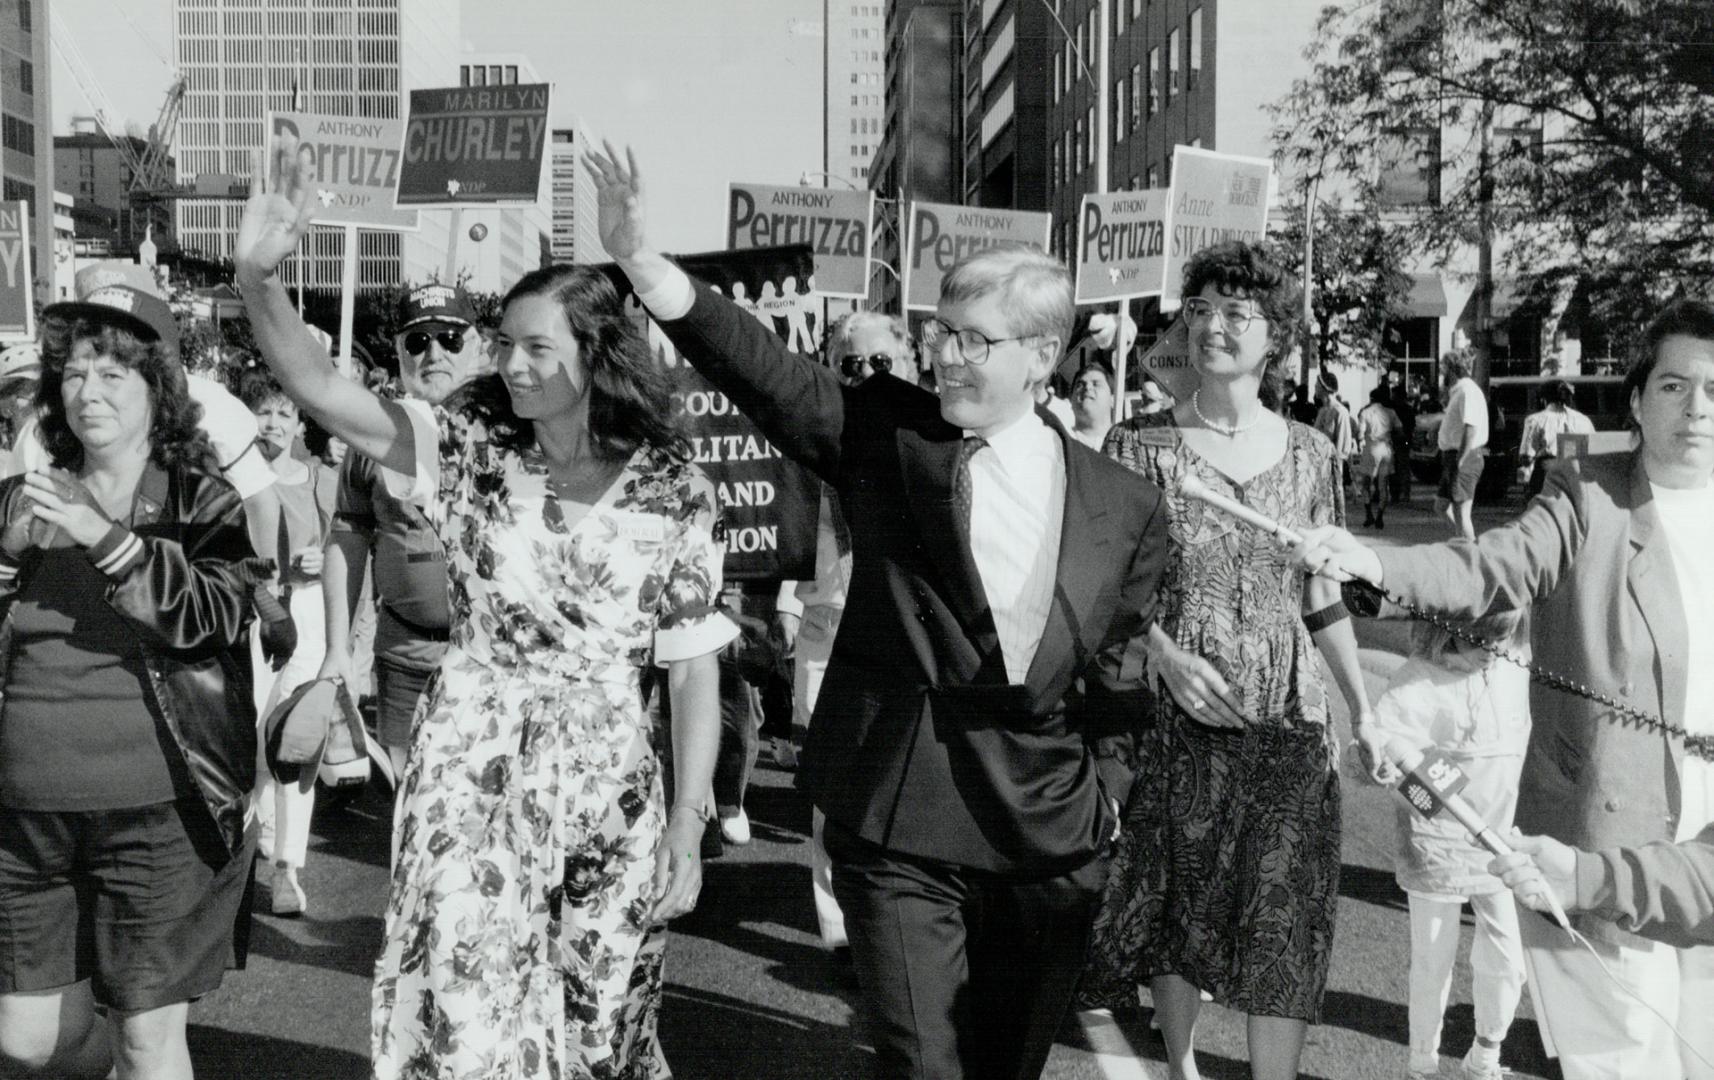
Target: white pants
(1600, 1032)
(814, 646)
(282, 809)
(1496, 966)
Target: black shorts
(397, 690)
(1459, 484)
(142, 902)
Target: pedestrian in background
(1377, 428)
(1538, 445)
(1333, 419)
(1464, 426)
(305, 493)
(1403, 403)
(128, 733)
(1460, 699)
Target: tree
(1579, 131)
(1357, 281)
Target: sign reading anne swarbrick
(356, 167)
(1215, 198)
(474, 145)
(938, 236)
(1121, 245)
(835, 225)
(17, 309)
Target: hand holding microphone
(1431, 786)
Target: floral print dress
(518, 940)
(1227, 869)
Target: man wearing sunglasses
(997, 562)
(437, 346)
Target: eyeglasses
(1236, 316)
(417, 341)
(851, 364)
(973, 345)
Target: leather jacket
(184, 584)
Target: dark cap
(141, 312)
(436, 303)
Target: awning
(1427, 297)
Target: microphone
(1431, 783)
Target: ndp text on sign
(474, 146)
(938, 236)
(835, 225)
(1121, 245)
(355, 167)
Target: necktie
(961, 487)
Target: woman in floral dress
(1226, 876)
(537, 860)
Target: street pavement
(751, 995)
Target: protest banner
(17, 307)
(1121, 245)
(474, 146)
(834, 223)
(938, 236)
(1215, 198)
(355, 167)
(770, 505)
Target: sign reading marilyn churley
(475, 145)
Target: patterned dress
(1227, 872)
(518, 940)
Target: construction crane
(149, 173)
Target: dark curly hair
(174, 437)
(630, 394)
(1247, 270)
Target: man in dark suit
(998, 566)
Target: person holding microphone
(1612, 560)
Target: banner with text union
(769, 504)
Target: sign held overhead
(938, 236)
(474, 146)
(356, 167)
(834, 223)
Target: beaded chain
(1701, 746)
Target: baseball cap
(110, 295)
(436, 303)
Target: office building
(855, 44)
(243, 58)
(26, 115)
(93, 171)
(576, 231)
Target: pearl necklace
(1228, 430)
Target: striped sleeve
(118, 552)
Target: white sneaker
(289, 896)
(785, 754)
(1481, 1070)
(736, 829)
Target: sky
(705, 91)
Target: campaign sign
(474, 145)
(1215, 198)
(1121, 245)
(769, 504)
(1168, 362)
(17, 312)
(938, 236)
(835, 225)
(356, 167)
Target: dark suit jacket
(1590, 560)
(918, 742)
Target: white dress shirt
(1687, 518)
(1017, 511)
(1465, 406)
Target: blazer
(1661, 891)
(918, 742)
(1590, 560)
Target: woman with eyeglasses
(1226, 876)
(537, 859)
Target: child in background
(1462, 700)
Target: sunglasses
(417, 341)
(851, 366)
